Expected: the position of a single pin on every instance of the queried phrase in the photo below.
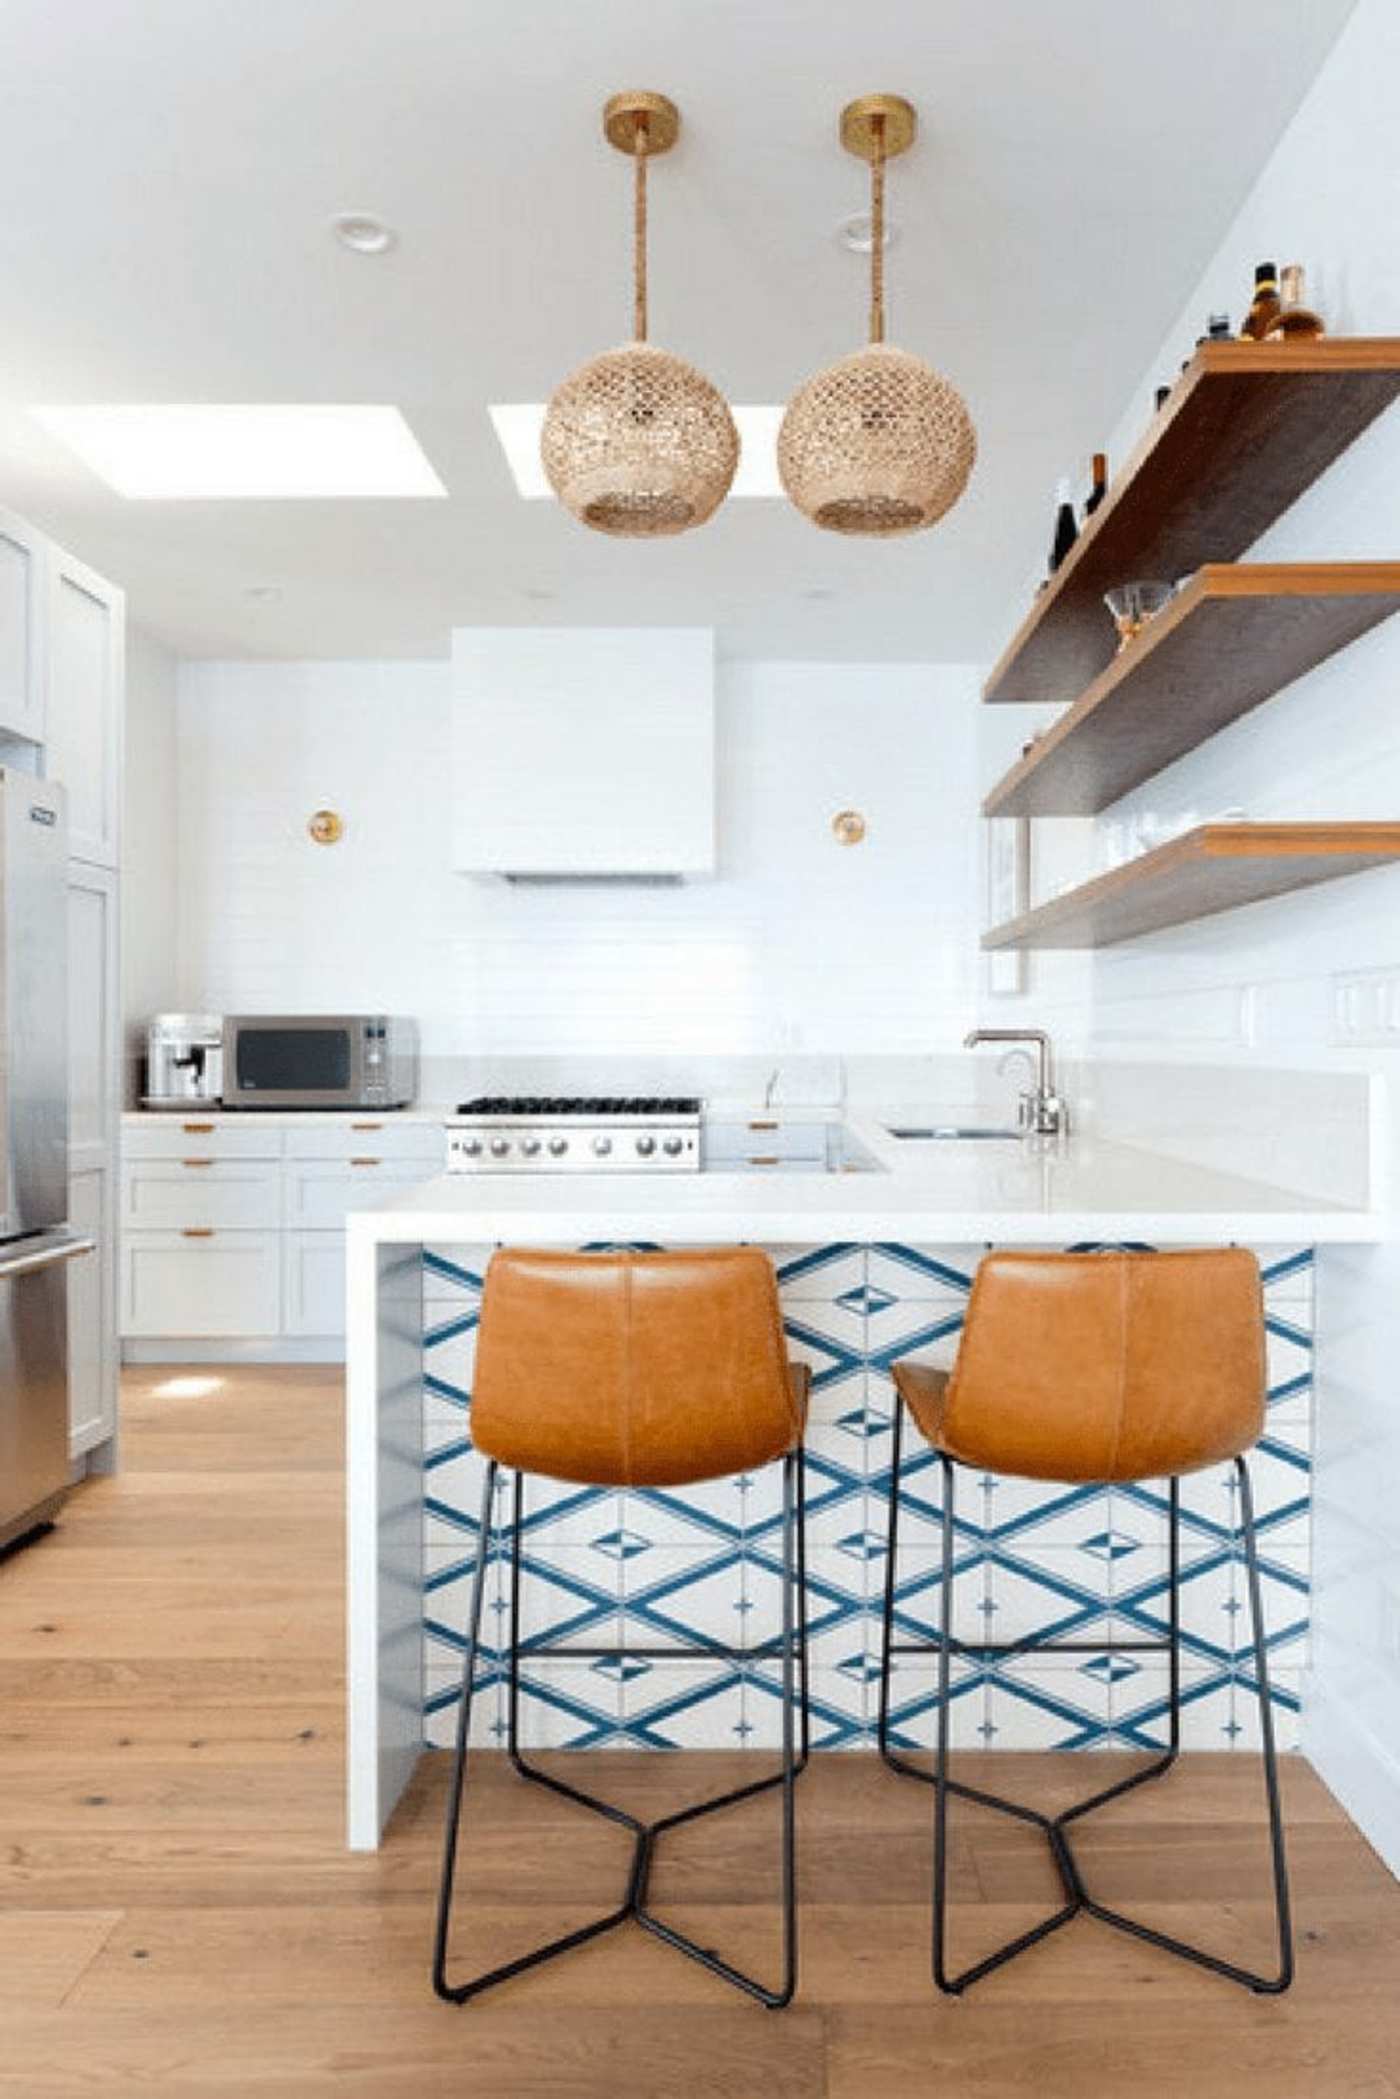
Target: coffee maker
(184, 1060)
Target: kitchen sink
(923, 1132)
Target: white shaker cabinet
(94, 1035)
(233, 1227)
(23, 581)
(85, 650)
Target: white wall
(1264, 986)
(797, 944)
(150, 835)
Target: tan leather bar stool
(1102, 1367)
(635, 1370)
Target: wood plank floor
(178, 1917)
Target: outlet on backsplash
(1366, 1008)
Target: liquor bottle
(1161, 397)
(1100, 488)
(1066, 531)
(1294, 318)
(1218, 328)
(1262, 314)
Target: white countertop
(942, 1191)
(285, 1118)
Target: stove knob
(558, 1146)
(602, 1146)
(472, 1147)
(500, 1147)
(646, 1146)
(672, 1146)
(529, 1145)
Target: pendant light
(637, 442)
(878, 443)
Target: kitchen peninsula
(875, 1258)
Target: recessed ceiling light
(363, 233)
(857, 234)
(518, 423)
(222, 452)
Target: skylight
(249, 452)
(518, 423)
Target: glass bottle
(1066, 531)
(1264, 310)
(1294, 317)
(1100, 484)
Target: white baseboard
(287, 1348)
(1362, 1771)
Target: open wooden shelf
(1247, 427)
(1207, 870)
(1232, 638)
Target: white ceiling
(170, 168)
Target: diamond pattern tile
(680, 1570)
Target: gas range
(522, 1133)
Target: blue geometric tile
(684, 1569)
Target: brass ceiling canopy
(637, 443)
(878, 443)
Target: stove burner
(517, 1104)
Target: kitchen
(449, 884)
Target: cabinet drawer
(182, 1136)
(761, 1142)
(200, 1189)
(177, 1284)
(322, 1193)
(313, 1282)
(368, 1136)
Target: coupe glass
(1133, 605)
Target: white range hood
(584, 753)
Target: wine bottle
(1066, 531)
(1294, 318)
(1264, 310)
(1100, 488)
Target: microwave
(319, 1060)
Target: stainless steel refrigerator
(36, 1243)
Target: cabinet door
(92, 1344)
(322, 1193)
(201, 1283)
(93, 990)
(83, 703)
(21, 629)
(313, 1282)
(93, 1078)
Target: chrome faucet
(1040, 1112)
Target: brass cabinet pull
(197, 1231)
(198, 1129)
(366, 1162)
(196, 1162)
(763, 1125)
(764, 1159)
(366, 1125)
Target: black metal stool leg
(1056, 1828)
(793, 1616)
(644, 1835)
(459, 1993)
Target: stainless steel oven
(319, 1060)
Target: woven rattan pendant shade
(637, 443)
(878, 443)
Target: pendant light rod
(878, 128)
(639, 231)
(640, 124)
(877, 230)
